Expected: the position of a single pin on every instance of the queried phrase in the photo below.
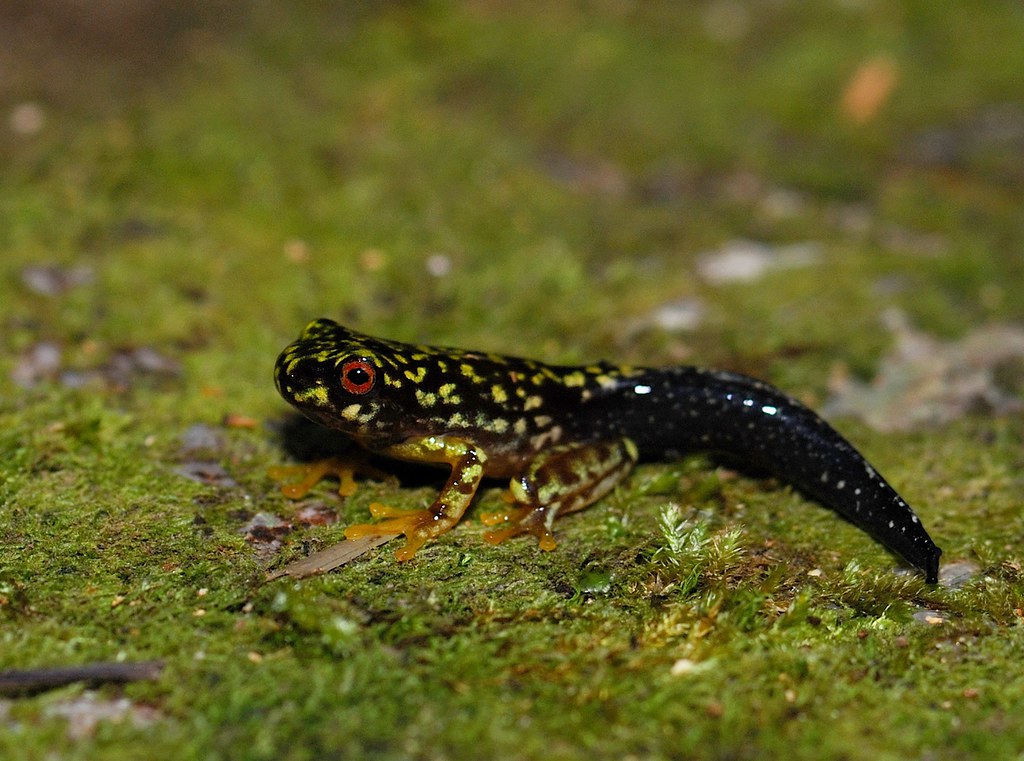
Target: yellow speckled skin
(484, 415)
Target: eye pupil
(357, 376)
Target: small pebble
(957, 573)
(42, 361)
(679, 315)
(438, 265)
(26, 119)
(51, 280)
(745, 261)
(205, 473)
(201, 437)
(930, 617)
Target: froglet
(565, 436)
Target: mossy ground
(532, 179)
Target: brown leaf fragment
(264, 527)
(205, 473)
(316, 514)
(330, 558)
(264, 532)
(869, 88)
(237, 420)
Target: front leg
(561, 480)
(419, 526)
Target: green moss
(223, 183)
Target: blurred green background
(826, 195)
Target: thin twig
(29, 681)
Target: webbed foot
(524, 520)
(417, 525)
(301, 478)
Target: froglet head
(334, 376)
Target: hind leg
(562, 480)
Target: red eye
(358, 376)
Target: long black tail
(690, 409)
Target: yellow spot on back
(470, 372)
(533, 402)
(418, 375)
(426, 398)
(446, 390)
(499, 394)
(457, 420)
(574, 379)
(520, 426)
(497, 425)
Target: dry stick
(27, 681)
